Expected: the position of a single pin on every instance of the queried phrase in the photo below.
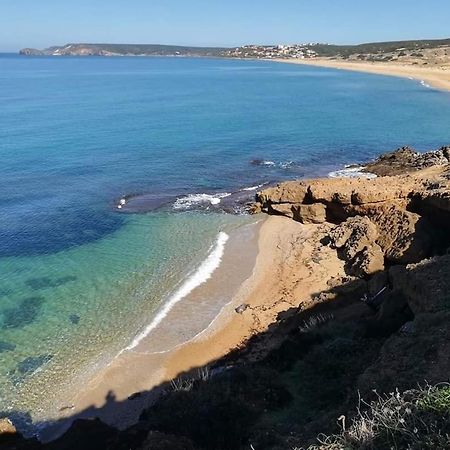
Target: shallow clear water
(78, 279)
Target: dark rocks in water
(74, 318)
(39, 283)
(6, 347)
(5, 291)
(28, 367)
(64, 280)
(257, 162)
(144, 203)
(235, 203)
(45, 282)
(406, 159)
(25, 313)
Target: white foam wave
(268, 163)
(197, 278)
(424, 84)
(352, 172)
(196, 199)
(286, 164)
(253, 188)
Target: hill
(374, 50)
(123, 50)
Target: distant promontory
(124, 50)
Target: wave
(198, 199)
(269, 163)
(351, 172)
(197, 278)
(424, 84)
(253, 188)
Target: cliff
(378, 331)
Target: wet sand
(436, 76)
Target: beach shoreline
(141, 366)
(281, 276)
(281, 279)
(436, 77)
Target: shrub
(415, 420)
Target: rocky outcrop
(7, 427)
(425, 284)
(404, 237)
(387, 230)
(355, 239)
(407, 209)
(406, 159)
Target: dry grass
(314, 322)
(415, 419)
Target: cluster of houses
(299, 51)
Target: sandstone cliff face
(393, 232)
(406, 209)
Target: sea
(122, 179)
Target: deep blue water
(78, 279)
(77, 133)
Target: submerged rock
(25, 313)
(28, 367)
(6, 347)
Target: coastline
(186, 316)
(285, 277)
(434, 76)
(289, 266)
(276, 274)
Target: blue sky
(40, 23)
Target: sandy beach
(283, 263)
(435, 76)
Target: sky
(41, 23)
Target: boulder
(288, 192)
(7, 427)
(353, 235)
(404, 237)
(315, 213)
(406, 159)
(355, 239)
(281, 209)
(426, 285)
(369, 261)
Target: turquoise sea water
(78, 278)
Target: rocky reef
(380, 327)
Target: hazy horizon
(25, 23)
